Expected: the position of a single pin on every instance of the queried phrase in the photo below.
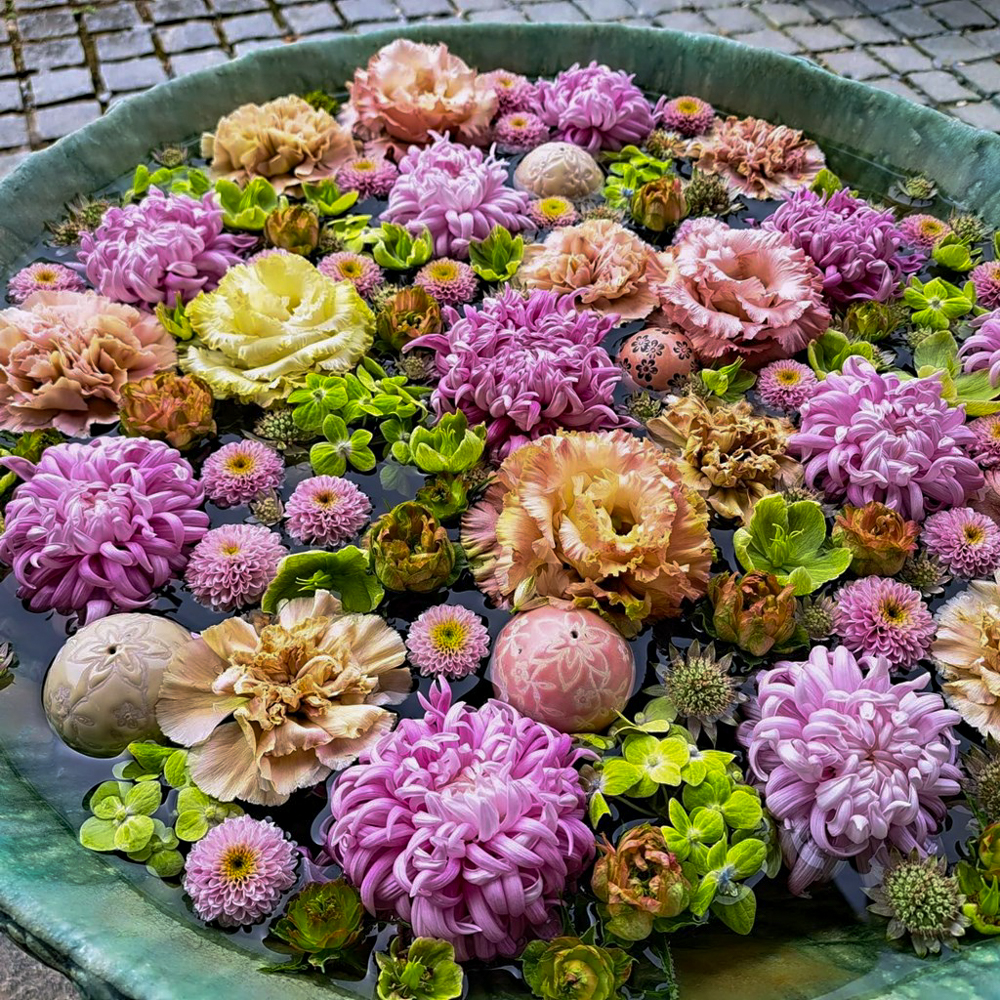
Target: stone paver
(64, 62)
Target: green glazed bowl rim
(81, 912)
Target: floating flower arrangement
(515, 521)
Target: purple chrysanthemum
(866, 436)
(880, 616)
(924, 231)
(326, 510)
(157, 249)
(457, 192)
(370, 176)
(98, 527)
(689, 116)
(519, 130)
(964, 541)
(786, 385)
(43, 276)
(860, 250)
(982, 349)
(233, 565)
(514, 92)
(447, 640)
(850, 763)
(236, 874)
(526, 368)
(237, 472)
(359, 270)
(986, 281)
(468, 824)
(553, 212)
(985, 449)
(451, 282)
(595, 107)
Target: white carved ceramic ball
(100, 692)
(559, 168)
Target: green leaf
(150, 755)
(619, 776)
(175, 771)
(729, 382)
(98, 834)
(397, 250)
(133, 834)
(450, 446)
(108, 807)
(248, 207)
(321, 396)
(939, 352)
(747, 857)
(707, 825)
(498, 257)
(704, 893)
(326, 200)
(829, 352)
(597, 809)
(109, 789)
(737, 913)
(191, 825)
(345, 573)
(742, 810)
(166, 864)
(144, 798)
(826, 183)
(952, 253)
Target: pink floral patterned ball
(565, 667)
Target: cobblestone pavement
(63, 63)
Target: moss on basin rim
(80, 911)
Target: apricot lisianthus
(410, 89)
(599, 262)
(598, 520)
(286, 140)
(277, 707)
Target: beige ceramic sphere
(100, 692)
(559, 168)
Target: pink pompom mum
(514, 92)
(786, 385)
(965, 542)
(43, 277)
(233, 565)
(370, 176)
(360, 271)
(986, 281)
(985, 449)
(237, 472)
(553, 212)
(878, 615)
(924, 231)
(520, 130)
(447, 640)
(326, 510)
(451, 282)
(237, 873)
(687, 115)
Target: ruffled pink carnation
(370, 176)
(451, 282)
(43, 277)
(866, 436)
(410, 90)
(65, 356)
(758, 159)
(859, 250)
(237, 873)
(742, 293)
(985, 448)
(982, 349)
(525, 368)
(880, 616)
(457, 193)
(447, 640)
(519, 130)
(986, 281)
(326, 510)
(238, 471)
(924, 231)
(468, 824)
(99, 527)
(850, 763)
(233, 565)
(964, 541)
(162, 248)
(514, 92)
(688, 116)
(359, 270)
(595, 107)
(786, 385)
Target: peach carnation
(601, 263)
(65, 356)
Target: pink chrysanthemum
(237, 472)
(370, 176)
(468, 824)
(986, 281)
(595, 107)
(101, 526)
(879, 615)
(447, 640)
(514, 92)
(360, 271)
(43, 277)
(965, 542)
(985, 449)
(687, 115)
(850, 763)
(451, 282)
(520, 130)
(236, 874)
(233, 565)
(786, 385)
(982, 348)
(553, 212)
(924, 231)
(326, 510)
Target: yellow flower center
(995, 272)
(893, 612)
(444, 270)
(365, 166)
(449, 636)
(241, 464)
(230, 549)
(995, 431)
(326, 499)
(46, 276)
(238, 864)
(505, 83)
(518, 121)
(788, 376)
(554, 207)
(688, 106)
(350, 268)
(931, 227)
(973, 534)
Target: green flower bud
(410, 550)
(567, 969)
